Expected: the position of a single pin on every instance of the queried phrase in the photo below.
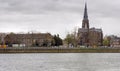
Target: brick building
(33, 39)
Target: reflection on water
(60, 62)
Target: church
(89, 36)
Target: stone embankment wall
(58, 50)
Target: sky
(58, 16)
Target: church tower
(85, 22)
(89, 36)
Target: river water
(60, 62)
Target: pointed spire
(85, 12)
(85, 23)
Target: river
(60, 62)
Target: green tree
(71, 39)
(106, 42)
(57, 40)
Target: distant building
(2, 36)
(114, 41)
(33, 39)
(89, 36)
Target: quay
(59, 50)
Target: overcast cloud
(58, 16)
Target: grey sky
(58, 16)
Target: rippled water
(60, 62)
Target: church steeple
(85, 23)
(85, 12)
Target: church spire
(85, 23)
(85, 12)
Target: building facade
(114, 41)
(89, 36)
(2, 35)
(27, 40)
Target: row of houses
(28, 40)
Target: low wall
(57, 50)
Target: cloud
(57, 16)
(39, 6)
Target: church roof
(91, 29)
(95, 29)
(82, 30)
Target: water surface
(60, 62)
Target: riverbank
(59, 50)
